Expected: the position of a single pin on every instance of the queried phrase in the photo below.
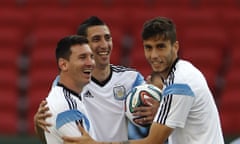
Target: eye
(96, 39)
(162, 45)
(147, 47)
(92, 56)
(82, 57)
(108, 37)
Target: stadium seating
(11, 38)
(53, 17)
(9, 111)
(15, 17)
(229, 108)
(207, 31)
(229, 122)
(40, 81)
(230, 100)
(8, 102)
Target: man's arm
(40, 124)
(158, 135)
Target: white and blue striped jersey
(105, 103)
(188, 107)
(67, 111)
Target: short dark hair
(91, 21)
(159, 26)
(63, 49)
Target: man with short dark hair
(187, 113)
(75, 62)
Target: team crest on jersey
(119, 92)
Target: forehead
(80, 49)
(97, 30)
(156, 40)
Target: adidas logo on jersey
(88, 94)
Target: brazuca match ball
(138, 97)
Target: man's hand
(84, 139)
(40, 117)
(147, 113)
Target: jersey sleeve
(176, 104)
(65, 124)
(139, 80)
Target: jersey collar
(103, 83)
(71, 91)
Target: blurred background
(208, 32)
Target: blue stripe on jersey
(139, 80)
(69, 116)
(178, 89)
(56, 81)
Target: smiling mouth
(87, 71)
(103, 53)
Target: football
(138, 97)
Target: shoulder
(185, 71)
(123, 71)
(56, 99)
(119, 69)
(187, 74)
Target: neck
(101, 73)
(167, 73)
(70, 84)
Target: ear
(62, 64)
(176, 46)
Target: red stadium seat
(40, 82)
(11, 3)
(9, 111)
(206, 39)
(43, 68)
(9, 100)
(209, 3)
(11, 38)
(95, 3)
(174, 3)
(230, 122)
(139, 62)
(15, 16)
(35, 95)
(231, 21)
(117, 18)
(44, 3)
(230, 95)
(229, 105)
(199, 17)
(53, 17)
(47, 36)
(231, 4)
(117, 38)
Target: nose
(103, 43)
(90, 61)
(153, 53)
